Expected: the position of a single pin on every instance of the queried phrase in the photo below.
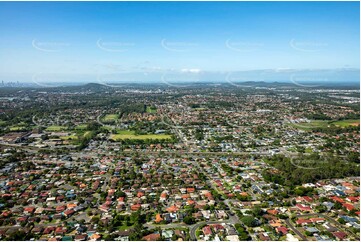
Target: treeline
(133, 108)
(219, 104)
(350, 116)
(13, 157)
(333, 129)
(308, 169)
(147, 141)
(318, 116)
(147, 127)
(84, 140)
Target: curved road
(193, 228)
(290, 225)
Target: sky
(87, 41)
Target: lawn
(56, 128)
(345, 123)
(151, 109)
(124, 227)
(128, 134)
(110, 117)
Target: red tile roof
(303, 221)
(172, 208)
(307, 199)
(303, 207)
(207, 230)
(151, 237)
(135, 207)
(315, 220)
(339, 234)
(282, 230)
(353, 199)
(337, 199)
(190, 190)
(272, 211)
(348, 206)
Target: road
(189, 151)
(290, 225)
(193, 228)
(232, 219)
(33, 148)
(166, 226)
(329, 219)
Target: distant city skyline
(174, 41)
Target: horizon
(204, 41)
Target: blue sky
(80, 41)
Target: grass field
(144, 136)
(151, 109)
(110, 118)
(69, 137)
(325, 123)
(75, 136)
(56, 128)
(87, 134)
(81, 126)
(311, 125)
(125, 132)
(17, 128)
(128, 134)
(345, 123)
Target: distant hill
(89, 87)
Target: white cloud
(191, 70)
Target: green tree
(189, 220)
(249, 221)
